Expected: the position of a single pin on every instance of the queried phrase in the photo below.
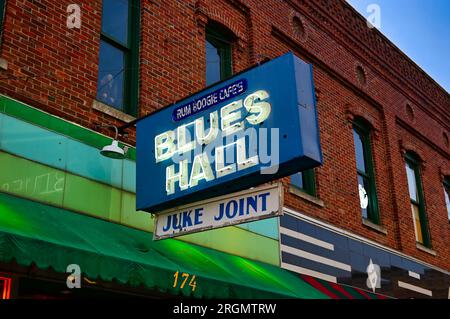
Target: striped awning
(48, 236)
(339, 291)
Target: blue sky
(420, 28)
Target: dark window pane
(115, 19)
(412, 184)
(363, 190)
(110, 86)
(213, 64)
(297, 180)
(359, 151)
(2, 8)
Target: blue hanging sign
(253, 128)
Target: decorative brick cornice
(349, 19)
(295, 45)
(350, 28)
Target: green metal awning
(31, 232)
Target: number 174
(183, 280)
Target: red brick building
(367, 90)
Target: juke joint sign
(255, 127)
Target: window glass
(447, 200)
(2, 12)
(115, 19)
(363, 190)
(359, 152)
(412, 184)
(118, 66)
(213, 64)
(110, 86)
(297, 180)
(365, 172)
(305, 181)
(417, 224)
(417, 200)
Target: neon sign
(253, 128)
(5, 287)
(257, 109)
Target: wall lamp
(113, 150)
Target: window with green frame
(412, 165)
(118, 64)
(365, 171)
(305, 181)
(447, 194)
(2, 14)
(218, 53)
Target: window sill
(373, 226)
(426, 249)
(307, 197)
(3, 64)
(102, 107)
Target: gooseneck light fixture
(114, 150)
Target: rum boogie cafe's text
(204, 102)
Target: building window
(218, 54)
(2, 13)
(305, 181)
(446, 194)
(417, 200)
(365, 172)
(117, 83)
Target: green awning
(53, 237)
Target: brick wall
(55, 69)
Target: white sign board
(237, 208)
